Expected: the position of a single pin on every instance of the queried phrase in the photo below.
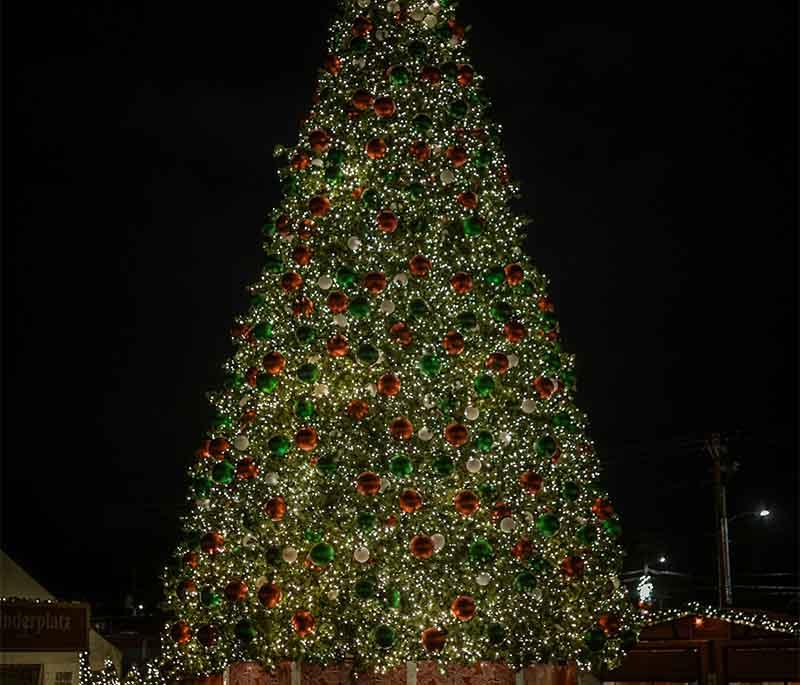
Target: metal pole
(713, 446)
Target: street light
(727, 588)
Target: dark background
(656, 150)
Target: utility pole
(718, 451)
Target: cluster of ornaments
(334, 317)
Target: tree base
(419, 673)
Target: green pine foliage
(398, 469)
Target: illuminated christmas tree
(397, 470)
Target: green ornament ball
(308, 373)
(371, 198)
(305, 334)
(322, 554)
(384, 636)
(496, 633)
(269, 229)
(502, 311)
(472, 226)
(223, 472)
(483, 158)
(366, 520)
(457, 109)
(359, 307)
(336, 156)
(594, 639)
(245, 630)
(334, 174)
(263, 331)
(327, 464)
(539, 564)
(278, 445)
(548, 525)
(312, 536)
(480, 551)
(443, 465)
(359, 45)
(422, 123)
(393, 598)
(345, 276)
(416, 190)
(613, 527)
(417, 308)
(467, 321)
(364, 588)
(586, 535)
(495, 276)
(304, 409)
(571, 491)
(290, 185)
(209, 598)
(202, 487)
(525, 582)
(401, 466)
(545, 446)
(367, 354)
(417, 48)
(399, 76)
(484, 385)
(484, 441)
(430, 365)
(267, 383)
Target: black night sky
(656, 153)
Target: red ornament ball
(181, 632)
(187, 588)
(401, 428)
(306, 439)
(603, 509)
(376, 148)
(410, 501)
(302, 307)
(465, 75)
(384, 106)
(572, 567)
(456, 434)
(497, 362)
(419, 266)
(466, 503)
(531, 482)
(218, 447)
(522, 550)
(337, 345)
(338, 302)
(375, 282)
(207, 635)
(463, 608)
(361, 100)
(401, 333)
(609, 623)
(319, 140)
(236, 591)
(191, 559)
(500, 511)
(275, 508)
(453, 343)
(545, 387)
(388, 221)
(212, 543)
(421, 547)
(357, 410)
(457, 155)
(361, 26)
(368, 484)
(514, 331)
(420, 150)
(273, 363)
(302, 255)
(270, 595)
(389, 385)
(303, 623)
(461, 282)
(291, 281)
(333, 65)
(246, 469)
(514, 274)
(468, 199)
(433, 639)
(319, 205)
